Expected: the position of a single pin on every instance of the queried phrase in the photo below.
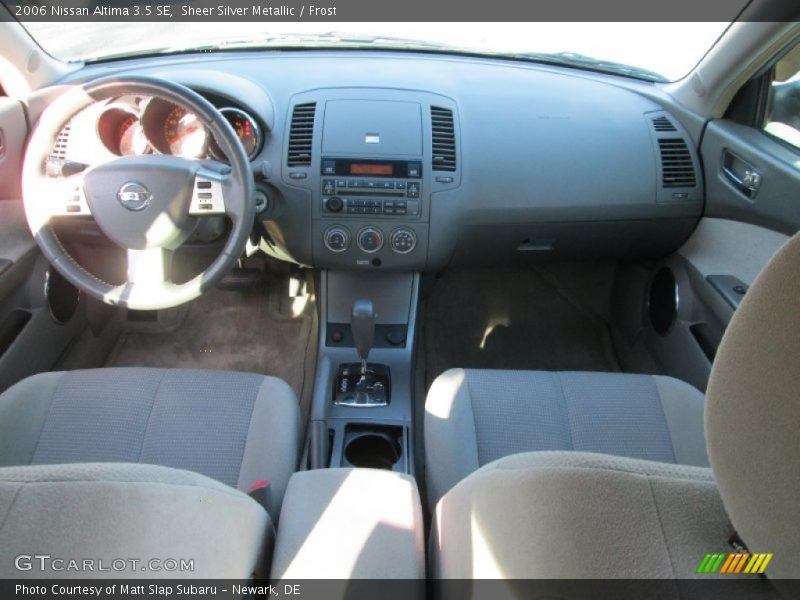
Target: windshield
(654, 51)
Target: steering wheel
(147, 205)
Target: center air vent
(443, 139)
(301, 135)
(677, 168)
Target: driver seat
(230, 430)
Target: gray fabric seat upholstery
(473, 417)
(553, 515)
(119, 513)
(236, 428)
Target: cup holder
(373, 450)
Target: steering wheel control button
(403, 240)
(207, 196)
(336, 239)
(134, 196)
(370, 240)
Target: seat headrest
(752, 415)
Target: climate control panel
(369, 239)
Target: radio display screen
(371, 169)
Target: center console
(362, 407)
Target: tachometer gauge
(121, 131)
(131, 140)
(184, 133)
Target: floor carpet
(258, 331)
(513, 318)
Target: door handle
(741, 174)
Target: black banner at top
(166, 11)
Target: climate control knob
(370, 239)
(403, 240)
(336, 238)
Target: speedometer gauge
(184, 133)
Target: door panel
(31, 339)
(17, 249)
(752, 208)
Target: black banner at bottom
(368, 589)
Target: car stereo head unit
(356, 167)
(383, 188)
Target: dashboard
(402, 161)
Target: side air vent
(60, 145)
(443, 139)
(662, 124)
(301, 135)
(677, 168)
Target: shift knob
(362, 324)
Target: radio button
(370, 240)
(400, 185)
(335, 204)
(413, 207)
(336, 239)
(328, 188)
(341, 183)
(414, 169)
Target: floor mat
(257, 331)
(512, 318)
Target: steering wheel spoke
(150, 267)
(64, 196)
(208, 197)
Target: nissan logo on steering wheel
(134, 196)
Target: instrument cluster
(131, 126)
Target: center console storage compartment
(351, 524)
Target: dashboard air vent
(663, 124)
(677, 168)
(60, 145)
(443, 139)
(301, 135)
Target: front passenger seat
(474, 416)
(589, 515)
(67, 441)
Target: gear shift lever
(362, 385)
(362, 324)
